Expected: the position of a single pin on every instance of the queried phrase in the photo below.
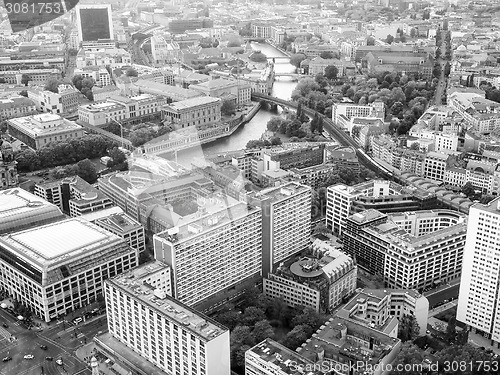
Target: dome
(462, 48)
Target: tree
(262, 330)
(275, 141)
(447, 69)
(451, 330)
(117, 155)
(77, 81)
(258, 56)
(397, 95)
(331, 72)
(87, 171)
(297, 336)
(326, 55)
(296, 59)
(228, 108)
(415, 146)
(52, 85)
(426, 15)
(131, 72)
(389, 39)
(252, 315)
(321, 229)
(24, 93)
(463, 354)
(304, 87)
(229, 319)
(309, 317)
(468, 189)
(410, 354)
(370, 41)
(408, 328)
(25, 78)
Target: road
(440, 296)
(441, 87)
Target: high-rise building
(164, 331)
(213, 250)
(94, 22)
(60, 267)
(479, 301)
(286, 222)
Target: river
(283, 87)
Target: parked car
(49, 358)
(77, 320)
(29, 356)
(6, 359)
(44, 347)
(5, 325)
(59, 362)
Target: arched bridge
(338, 134)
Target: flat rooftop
(193, 102)
(59, 240)
(133, 283)
(282, 192)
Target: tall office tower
(60, 267)
(286, 222)
(94, 22)
(213, 250)
(479, 300)
(169, 334)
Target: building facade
(190, 112)
(175, 338)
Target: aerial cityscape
(245, 187)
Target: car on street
(49, 358)
(77, 320)
(6, 359)
(5, 325)
(29, 356)
(59, 362)
(44, 347)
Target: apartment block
(64, 101)
(412, 250)
(435, 165)
(73, 195)
(382, 308)
(162, 330)
(60, 267)
(16, 106)
(478, 301)
(286, 222)
(125, 227)
(220, 242)
(322, 278)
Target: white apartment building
(321, 283)
(167, 333)
(455, 176)
(340, 198)
(478, 301)
(100, 75)
(435, 165)
(286, 222)
(164, 51)
(343, 112)
(481, 113)
(222, 242)
(64, 101)
(377, 307)
(60, 267)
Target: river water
(283, 87)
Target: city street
(448, 292)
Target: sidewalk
(481, 341)
(439, 309)
(442, 287)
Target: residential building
(20, 210)
(314, 176)
(286, 222)
(172, 93)
(60, 267)
(376, 307)
(37, 76)
(99, 74)
(435, 165)
(64, 101)
(351, 348)
(343, 112)
(199, 111)
(318, 65)
(16, 106)
(322, 279)
(260, 30)
(162, 330)
(480, 113)
(478, 300)
(39, 130)
(271, 358)
(73, 195)
(414, 62)
(220, 242)
(164, 50)
(100, 57)
(125, 227)
(412, 250)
